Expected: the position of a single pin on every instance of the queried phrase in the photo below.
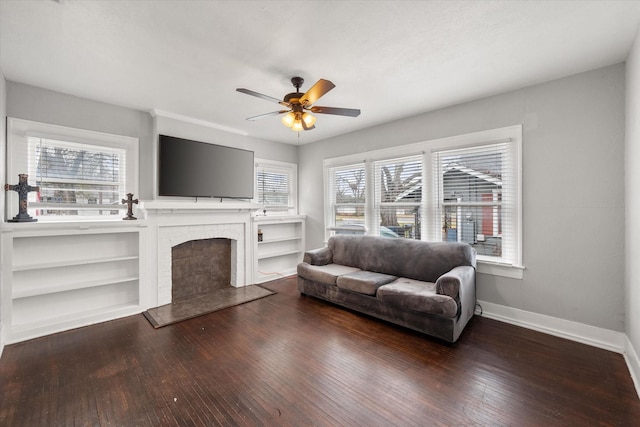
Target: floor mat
(204, 304)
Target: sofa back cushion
(413, 259)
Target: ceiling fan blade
(261, 96)
(317, 90)
(351, 112)
(273, 113)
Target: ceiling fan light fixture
(288, 119)
(297, 125)
(309, 120)
(296, 118)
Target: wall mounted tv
(196, 169)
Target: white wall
(573, 190)
(632, 199)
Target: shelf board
(70, 263)
(17, 294)
(280, 253)
(281, 239)
(279, 219)
(262, 277)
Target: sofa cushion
(418, 296)
(344, 250)
(320, 256)
(409, 258)
(324, 273)
(364, 282)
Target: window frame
(291, 169)
(512, 134)
(331, 204)
(18, 133)
(379, 204)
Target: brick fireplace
(176, 223)
(199, 267)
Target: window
(80, 174)
(462, 189)
(276, 186)
(347, 195)
(475, 189)
(398, 197)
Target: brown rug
(204, 304)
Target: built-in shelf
(57, 277)
(70, 263)
(278, 254)
(282, 239)
(17, 294)
(281, 248)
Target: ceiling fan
(299, 104)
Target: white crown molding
(166, 114)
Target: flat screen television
(197, 169)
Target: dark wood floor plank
(289, 360)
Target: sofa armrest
(322, 256)
(453, 282)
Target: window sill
(283, 217)
(503, 270)
(44, 226)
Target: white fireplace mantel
(158, 206)
(175, 222)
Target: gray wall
(43, 105)
(632, 199)
(262, 149)
(573, 189)
(3, 136)
(46, 106)
(3, 162)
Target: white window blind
(398, 197)
(476, 199)
(81, 174)
(464, 188)
(75, 178)
(276, 186)
(347, 196)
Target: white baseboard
(1, 339)
(586, 334)
(574, 331)
(65, 323)
(631, 357)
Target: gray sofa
(425, 286)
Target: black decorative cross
(129, 202)
(22, 188)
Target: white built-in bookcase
(281, 248)
(60, 276)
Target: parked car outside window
(359, 230)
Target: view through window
(81, 174)
(458, 189)
(75, 179)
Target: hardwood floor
(292, 360)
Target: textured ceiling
(391, 59)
